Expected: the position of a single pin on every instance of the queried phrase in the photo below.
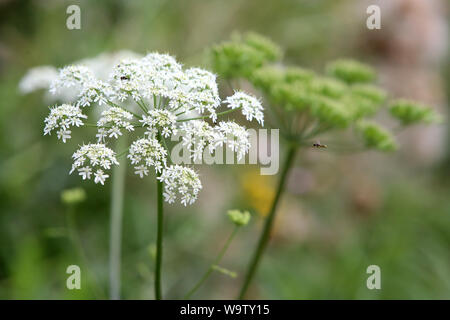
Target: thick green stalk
(115, 236)
(264, 238)
(159, 235)
(211, 267)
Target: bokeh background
(341, 213)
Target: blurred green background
(341, 214)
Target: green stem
(159, 234)
(211, 267)
(264, 238)
(143, 108)
(112, 104)
(115, 236)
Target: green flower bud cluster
(329, 100)
(410, 112)
(306, 103)
(73, 196)
(375, 136)
(240, 218)
(243, 54)
(351, 71)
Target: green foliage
(351, 71)
(243, 55)
(410, 112)
(240, 218)
(376, 137)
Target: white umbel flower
(236, 137)
(112, 121)
(147, 152)
(160, 119)
(199, 135)
(198, 91)
(37, 78)
(251, 106)
(155, 74)
(71, 76)
(95, 91)
(166, 99)
(181, 180)
(63, 117)
(94, 157)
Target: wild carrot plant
(305, 104)
(148, 100)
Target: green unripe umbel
(269, 49)
(375, 136)
(409, 112)
(240, 218)
(307, 104)
(330, 112)
(243, 55)
(351, 71)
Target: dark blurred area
(342, 212)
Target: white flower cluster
(63, 117)
(199, 92)
(251, 107)
(160, 119)
(237, 137)
(181, 179)
(147, 152)
(199, 135)
(42, 77)
(37, 78)
(91, 89)
(171, 100)
(95, 91)
(93, 158)
(111, 121)
(72, 76)
(155, 74)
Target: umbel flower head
(240, 218)
(150, 98)
(305, 104)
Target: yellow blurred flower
(259, 191)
